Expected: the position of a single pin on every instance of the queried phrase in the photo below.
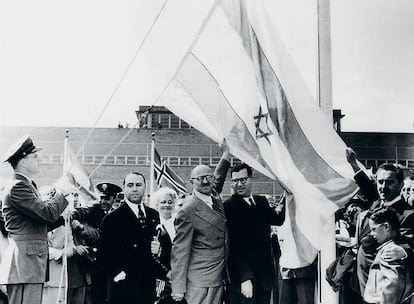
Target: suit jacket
(388, 282)
(126, 246)
(250, 250)
(26, 218)
(200, 245)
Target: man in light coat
(200, 245)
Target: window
(174, 161)
(110, 160)
(88, 159)
(184, 161)
(142, 160)
(205, 161)
(98, 159)
(184, 125)
(120, 160)
(175, 122)
(194, 161)
(131, 160)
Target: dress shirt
(134, 208)
(205, 198)
(169, 226)
(249, 200)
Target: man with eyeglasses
(199, 248)
(250, 262)
(24, 266)
(385, 192)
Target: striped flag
(165, 176)
(76, 176)
(223, 67)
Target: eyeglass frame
(209, 178)
(242, 180)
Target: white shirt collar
(205, 198)
(248, 198)
(134, 207)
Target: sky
(62, 62)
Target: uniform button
(135, 245)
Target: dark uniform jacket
(26, 218)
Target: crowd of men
(205, 250)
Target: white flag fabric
(236, 80)
(76, 177)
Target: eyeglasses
(242, 180)
(209, 178)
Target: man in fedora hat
(24, 265)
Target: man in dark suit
(24, 264)
(250, 262)
(199, 249)
(127, 233)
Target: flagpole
(64, 272)
(327, 254)
(65, 152)
(152, 163)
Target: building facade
(108, 154)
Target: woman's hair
(156, 196)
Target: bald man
(200, 244)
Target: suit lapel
(206, 213)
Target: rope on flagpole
(120, 142)
(121, 79)
(200, 30)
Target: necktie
(252, 203)
(141, 216)
(217, 205)
(140, 212)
